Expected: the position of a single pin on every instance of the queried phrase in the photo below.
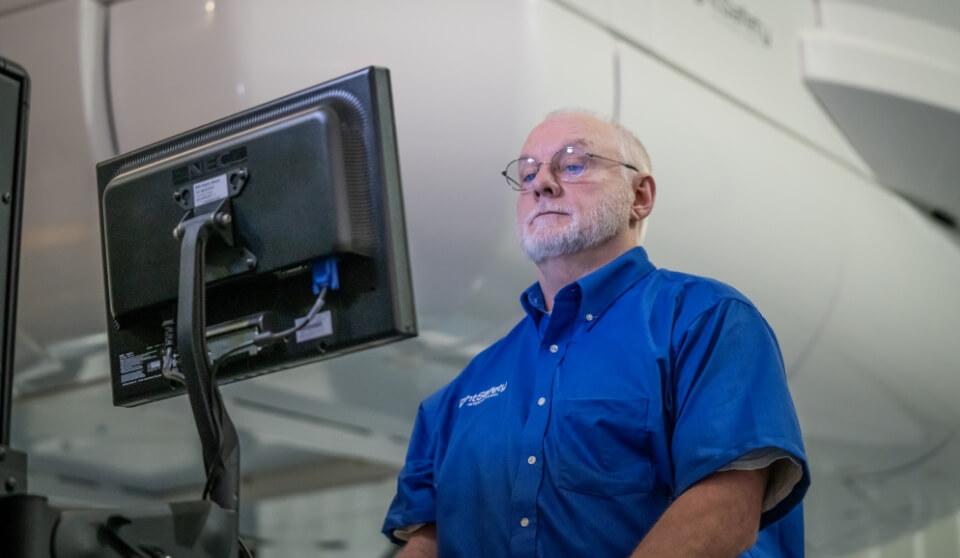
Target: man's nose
(545, 182)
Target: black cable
(244, 551)
(261, 340)
(268, 337)
(218, 408)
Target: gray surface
(939, 12)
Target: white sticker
(210, 190)
(320, 326)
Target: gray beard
(582, 232)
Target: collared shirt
(571, 435)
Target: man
(635, 411)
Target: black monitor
(306, 194)
(14, 105)
(262, 241)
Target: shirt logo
(478, 398)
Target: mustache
(546, 208)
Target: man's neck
(556, 273)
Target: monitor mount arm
(218, 437)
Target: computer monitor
(306, 194)
(14, 108)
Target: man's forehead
(558, 132)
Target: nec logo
(209, 164)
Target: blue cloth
(571, 435)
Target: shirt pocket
(603, 446)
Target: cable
(244, 551)
(169, 367)
(268, 337)
(260, 340)
(217, 406)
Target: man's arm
(422, 543)
(717, 517)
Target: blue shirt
(571, 435)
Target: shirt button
(554, 348)
(541, 401)
(531, 460)
(589, 317)
(524, 522)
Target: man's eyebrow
(581, 143)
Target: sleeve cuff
(403, 533)
(785, 472)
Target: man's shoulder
(689, 288)
(687, 296)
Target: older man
(634, 411)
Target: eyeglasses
(567, 165)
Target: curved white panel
(851, 61)
(905, 30)
(900, 108)
(893, 330)
(739, 200)
(743, 49)
(455, 91)
(555, 71)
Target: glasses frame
(514, 185)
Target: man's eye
(528, 177)
(573, 168)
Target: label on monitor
(320, 326)
(210, 190)
(136, 367)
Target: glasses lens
(521, 172)
(569, 163)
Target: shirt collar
(599, 289)
(532, 301)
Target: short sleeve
(731, 398)
(416, 498)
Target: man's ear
(644, 194)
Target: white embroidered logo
(478, 398)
